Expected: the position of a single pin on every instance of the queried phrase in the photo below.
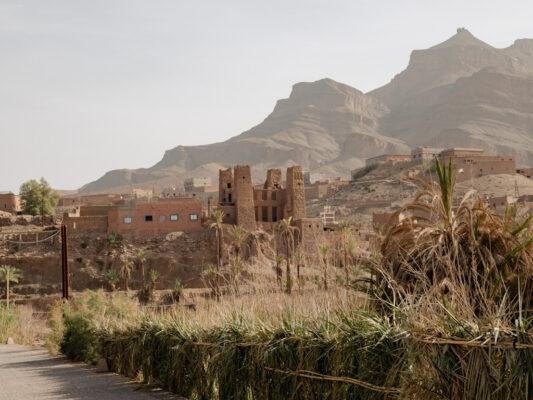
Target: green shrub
(80, 339)
(363, 171)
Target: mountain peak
(463, 37)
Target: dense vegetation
(363, 171)
(444, 311)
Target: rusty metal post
(64, 262)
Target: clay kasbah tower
(244, 197)
(244, 205)
(295, 193)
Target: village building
(244, 205)
(192, 184)
(388, 159)
(527, 172)
(93, 200)
(424, 154)
(138, 193)
(312, 177)
(321, 189)
(10, 203)
(138, 218)
(470, 163)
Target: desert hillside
(462, 92)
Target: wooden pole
(64, 262)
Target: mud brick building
(469, 163)
(10, 203)
(93, 200)
(424, 154)
(388, 159)
(138, 218)
(250, 207)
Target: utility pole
(64, 262)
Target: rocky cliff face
(323, 125)
(462, 92)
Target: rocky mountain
(325, 126)
(462, 92)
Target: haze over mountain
(462, 92)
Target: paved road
(30, 373)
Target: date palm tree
(9, 274)
(125, 271)
(279, 272)
(238, 235)
(217, 218)
(140, 258)
(325, 249)
(287, 233)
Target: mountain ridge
(459, 92)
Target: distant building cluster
(467, 162)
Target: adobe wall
(229, 214)
(316, 191)
(93, 211)
(310, 233)
(295, 193)
(244, 197)
(93, 200)
(481, 165)
(88, 224)
(10, 202)
(274, 179)
(225, 186)
(268, 204)
(161, 223)
(527, 172)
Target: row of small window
(162, 218)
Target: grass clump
(20, 323)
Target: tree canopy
(38, 197)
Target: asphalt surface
(31, 373)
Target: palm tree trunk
(346, 263)
(143, 281)
(219, 262)
(7, 289)
(289, 280)
(325, 275)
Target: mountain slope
(464, 92)
(461, 92)
(323, 125)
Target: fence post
(64, 262)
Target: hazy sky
(89, 86)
